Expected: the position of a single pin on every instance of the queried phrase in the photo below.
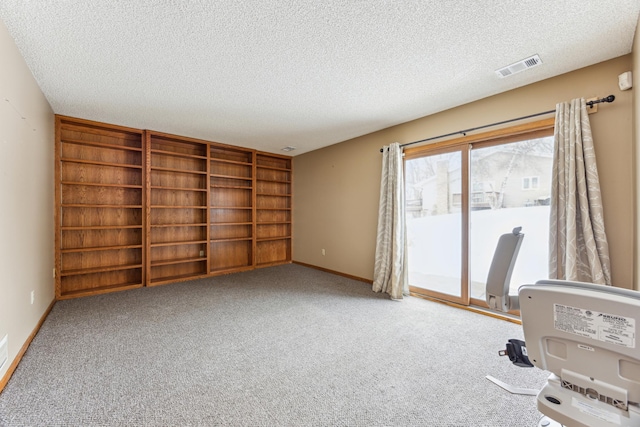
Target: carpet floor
(280, 346)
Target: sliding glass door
(510, 187)
(435, 224)
(462, 197)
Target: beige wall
(636, 138)
(26, 191)
(336, 188)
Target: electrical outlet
(33, 296)
(323, 252)
(4, 350)
(201, 253)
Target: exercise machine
(584, 334)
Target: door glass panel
(510, 186)
(434, 222)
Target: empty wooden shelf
(231, 223)
(273, 209)
(141, 208)
(176, 207)
(99, 208)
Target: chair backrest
(499, 277)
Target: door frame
(464, 223)
(530, 130)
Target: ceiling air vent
(288, 148)
(516, 67)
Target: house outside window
(530, 183)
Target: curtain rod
(609, 98)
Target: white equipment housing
(586, 336)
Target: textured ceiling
(268, 74)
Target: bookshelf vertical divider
(254, 213)
(141, 208)
(147, 205)
(57, 210)
(208, 211)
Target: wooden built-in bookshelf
(177, 208)
(231, 223)
(273, 209)
(99, 208)
(141, 208)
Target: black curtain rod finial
(609, 98)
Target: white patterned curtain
(390, 273)
(578, 248)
